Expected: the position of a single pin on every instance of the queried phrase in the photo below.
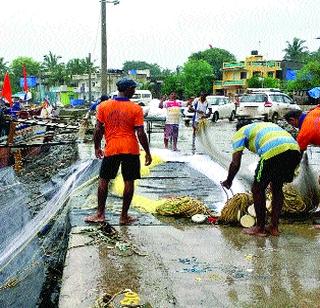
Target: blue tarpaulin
(77, 102)
(315, 92)
(31, 81)
(291, 74)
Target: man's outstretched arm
(233, 169)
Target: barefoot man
(121, 122)
(279, 156)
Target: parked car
(140, 97)
(221, 108)
(268, 105)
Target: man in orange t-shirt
(308, 124)
(309, 127)
(121, 123)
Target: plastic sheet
(31, 247)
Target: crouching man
(279, 156)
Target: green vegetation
(195, 75)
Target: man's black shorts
(130, 167)
(278, 169)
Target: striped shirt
(263, 138)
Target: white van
(141, 97)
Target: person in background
(201, 110)
(236, 102)
(93, 106)
(121, 122)
(308, 125)
(15, 108)
(162, 100)
(171, 128)
(279, 156)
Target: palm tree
(50, 61)
(74, 67)
(89, 65)
(295, 51)
(52, 68)
(3, 67)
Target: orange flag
(6, 89)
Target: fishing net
(207, 141)
(213, 139)
(33, 244)
(183, 206)
(306, 185)
(300, 196)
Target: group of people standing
(121, 122)
(199, 107)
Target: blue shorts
(130, 167)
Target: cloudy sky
(165, 32)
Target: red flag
(6, 89)
(25, 83)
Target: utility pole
(104, 67)
(89, 66)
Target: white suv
(221, 108)
(269, 105)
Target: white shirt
(198, 105)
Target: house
(236, 74)
(81, 82)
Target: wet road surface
(175, 263)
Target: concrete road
(198, 266)
(175, 263)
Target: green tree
(172, 83)
(296, 51)
(196, 76)
(80, 66)
(309, 76)
(314, 56)
(32, 68)
(55, 73)
(215, 57)
(3, 68)
(254, 82)
(269, 82)
(50, 62)
(259, 82)
(155, 69)
(75, 67)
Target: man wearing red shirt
(308, 124)
(309, 127)
(121, 122)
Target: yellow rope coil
(183, 206)
(239, 202)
